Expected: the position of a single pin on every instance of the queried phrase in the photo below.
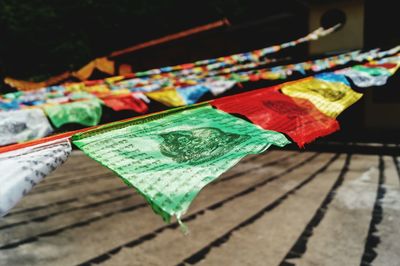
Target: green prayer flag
(171, 156)
(87, 112)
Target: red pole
(171, 37)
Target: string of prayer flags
(215, 80)
(22, 169)
(386, 66)
(129, 83)
(272, 110)
(391, 67)
(331, 98)
(390, 64)
(373, 73)
(22, 125)
(126, 102)
(229, 73)
(202, 73)
(170, 157)
(393, 59)
(390, 51)
(181, 91)
(17, 100)
(22, 85)
(85, 112)
(279, 72)
(168, 97)
(272, 75)
(26, 99)
(107, 66)
(223, 61)
(32, 97)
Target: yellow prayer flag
(331, 98)
(85, 72)
(105, 65)
(101, 88)
(169, 97)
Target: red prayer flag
(272, 110)
(126, 102)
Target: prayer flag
(192, 94)
(170, 157)
(86, 112)
(168, 97)
(126, 102)
(23, 125)
(7, 105)
(333, 77)
(218, 87)
(105, 65)
(363, 79)
(373, 71)
(22, 169)
(85, 72)
(331, 98)
(268, 108)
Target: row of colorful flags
(107, 66)
(170, 156)
(23, 114)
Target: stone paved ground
(279, 208)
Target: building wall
(350, 36)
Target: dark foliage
(40, 38)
